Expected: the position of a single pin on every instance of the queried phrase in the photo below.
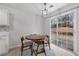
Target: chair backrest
(22, 39)
(39, 41)
(47, 38)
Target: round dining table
(34, 37)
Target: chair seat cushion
(45, 42)
(27, 42)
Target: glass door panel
(62, 31)
(54, 31)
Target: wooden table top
(35, 36)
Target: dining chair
(25, 45)
(47, 40)
(39, 42)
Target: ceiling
(55, 6)
(34, 7)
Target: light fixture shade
(44, 12)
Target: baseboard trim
(12, 48)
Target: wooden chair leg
(37, 50)
(44, 49)
(49, 44)
(21, 51)
(31, 50)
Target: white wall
(22, 23)
(46, 25)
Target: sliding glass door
(62, 31)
